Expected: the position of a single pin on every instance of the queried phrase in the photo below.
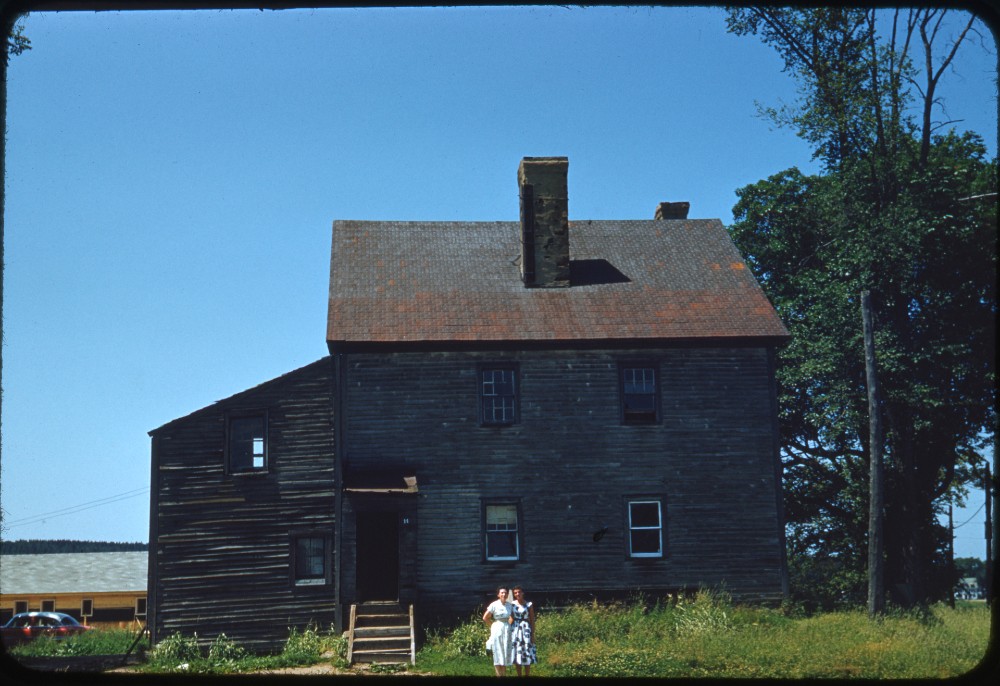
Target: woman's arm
(488, 615)
(531, 619)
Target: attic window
(247, 443)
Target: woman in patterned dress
(524, 633)
(499, 619)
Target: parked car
(25, 626)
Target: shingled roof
(658, 280)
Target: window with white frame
(140, 608)
(247, 443)
(498, 395)
(86, 607)
(48, 606)
(20, 606)
(502, 532)
(645, 528)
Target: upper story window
(498, 395)
(645, 528)
(639, 393)
(502, 532)
(246, 443)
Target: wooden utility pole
(876, 582)
(951, 557)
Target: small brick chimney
(672, 210)
(544, 221)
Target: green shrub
(707, 613)
(467, 639)
(224, 652)
(174, 651)
(302, 647)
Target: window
(247, 443)
(48, 606)
(140, 608)
(498, 395)
(20, 606)
(639, 394)
(86, 607)
(309, 560)
(645, 528)
(501, 532)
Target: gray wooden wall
(220, 544)
(572, 463)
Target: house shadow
(594, 272)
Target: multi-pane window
(645, 528)
(639, 405)
(310, 560)
(498, 395)
(501, 532)
(247, 443)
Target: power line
(73, 509)
(970, 518)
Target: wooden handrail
(350, 635)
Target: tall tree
(896, 211)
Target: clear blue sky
(172, 178)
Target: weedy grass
(708, 636)
(184, 654)
(94, 642)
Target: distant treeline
(37, 547)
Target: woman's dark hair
(517, 588)
(502, 588)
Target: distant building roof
(460, 282)
(73, 573)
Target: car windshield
(69, 621)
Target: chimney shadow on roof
(594, 272)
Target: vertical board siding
(571, 463)
(222, 552)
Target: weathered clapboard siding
(571, 464)
(220, 543)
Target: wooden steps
(382, 632)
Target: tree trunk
(876, 581)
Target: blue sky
(172, 179)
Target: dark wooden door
(378, 556)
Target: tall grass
(708, 636)
(183, 654)
(95, 642)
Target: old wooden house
(585, 408)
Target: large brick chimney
(544, 221)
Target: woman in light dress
(499, 617)
(523, 635)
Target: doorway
(378, 556)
